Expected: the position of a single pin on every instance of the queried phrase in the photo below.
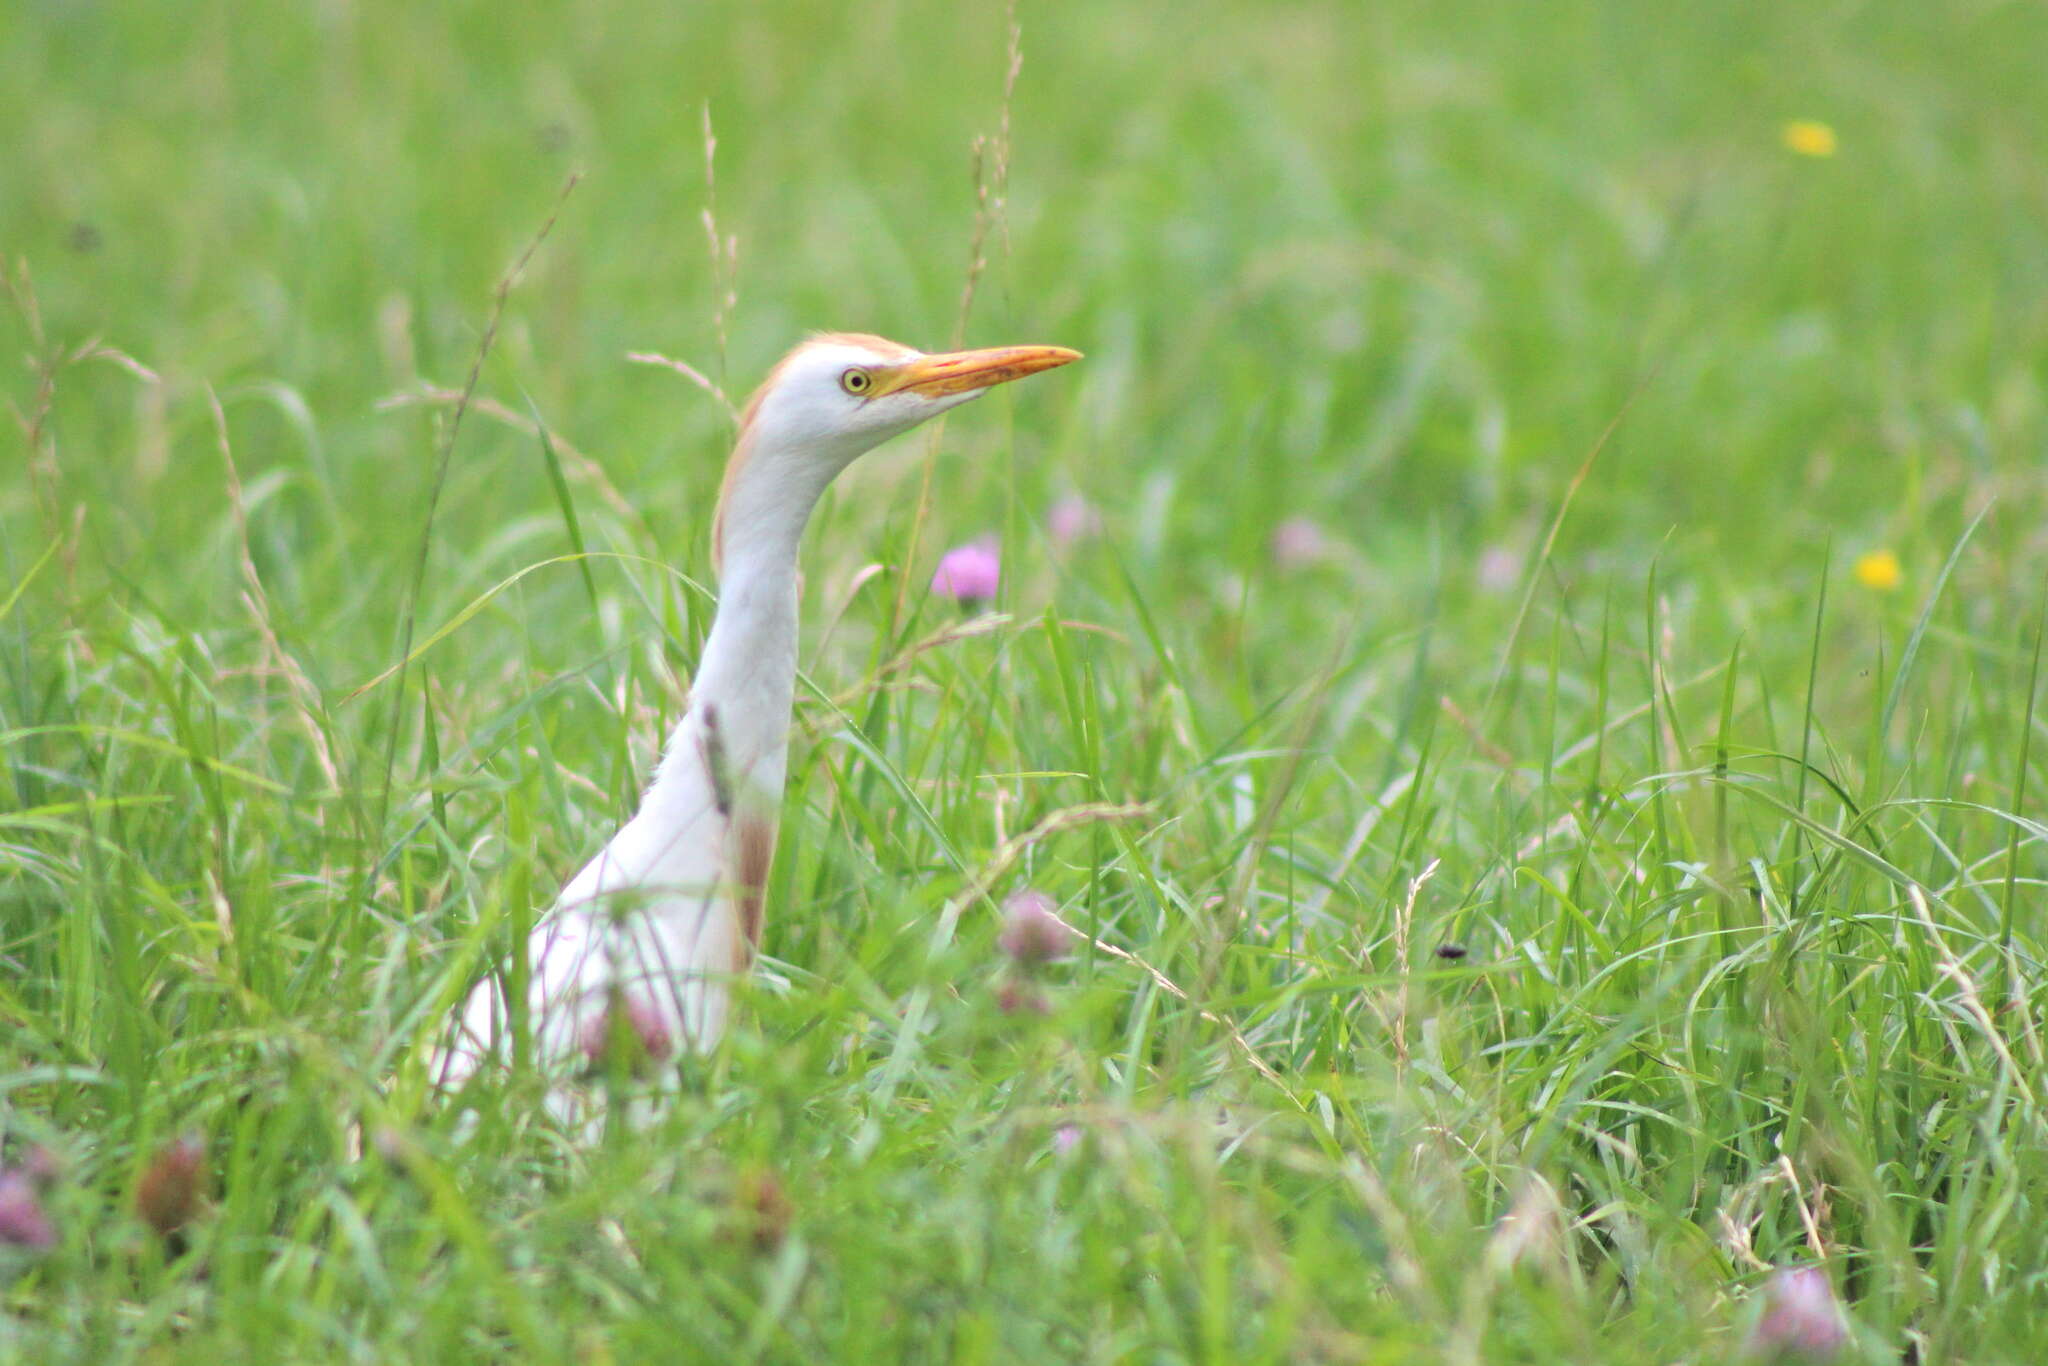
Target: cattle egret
(646, 940)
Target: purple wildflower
(1072, 519)
(1801, 1321)
(1500, 569)
(1298, 542)
(22, 1220)
(969, 573)
(1032, 932)
(646, 1031)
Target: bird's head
(838, 395)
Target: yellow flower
(1809, 138)
(1880, 570)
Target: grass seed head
(173, 1186)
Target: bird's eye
(856, 381)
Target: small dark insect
(1450, 953)
(84, 237)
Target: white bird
(648, 938)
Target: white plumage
(646, 940)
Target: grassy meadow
(1542, 729)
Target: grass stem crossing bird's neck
(734, 731)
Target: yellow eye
(856, 381)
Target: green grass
(1745, 853)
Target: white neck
(747, 676)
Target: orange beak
(954, 372)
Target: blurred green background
(1397, 269)
(1397, 264)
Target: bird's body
(649, 936)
